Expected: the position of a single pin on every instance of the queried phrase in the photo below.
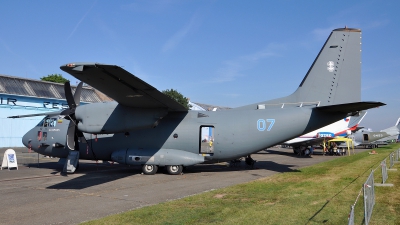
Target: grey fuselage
(236, 133)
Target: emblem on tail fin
(331, 66)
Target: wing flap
(122, 86)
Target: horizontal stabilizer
(350, 107)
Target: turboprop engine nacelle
(110, 117)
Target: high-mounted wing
(38, 114)
(122, 86)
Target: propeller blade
(68, 95)
(77, 94)
(67, 112)
(76, 142)
(71, 135)
(81, 136)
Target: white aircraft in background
(340, 128)
(392, 131)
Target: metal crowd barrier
(369, 190)
(391, 156)
(369, 197)
(384, 171)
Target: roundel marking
(331, 66)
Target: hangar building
(20, 96)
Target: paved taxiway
(41, 195)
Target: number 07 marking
(262, 124)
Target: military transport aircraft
(393, 132)
(145, 127)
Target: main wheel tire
(149, 169)
(174, 170)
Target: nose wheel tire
(174, 170)
(149, 169)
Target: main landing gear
(149, 169)
(152, 169)
(174, 170)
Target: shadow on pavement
(92, 175)
(259, 165)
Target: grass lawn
(319, 194)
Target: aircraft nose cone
(26, 140)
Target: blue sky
(227, 53)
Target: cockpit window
(40, 124)
(48, 122)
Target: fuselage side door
(206, 139)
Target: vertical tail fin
(356, 119)
(335, 75)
